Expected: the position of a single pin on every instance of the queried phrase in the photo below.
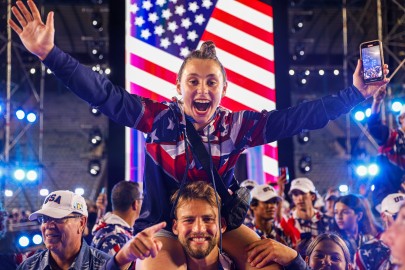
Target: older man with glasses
(63, 218)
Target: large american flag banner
(160, 33)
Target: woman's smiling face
(202, 87)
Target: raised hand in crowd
(36, 36)
(142, 246)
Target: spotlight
(19, 174)
(33, 71)
(291, 72)
(303, 136)
(336, 72)
(31, 117)
(359, 116)
(298, 24)
(32, 175)
(79, 191)
(20, 114)
(305, 164)
(299, 51)
(368, 112)
(44, 192)
(95, 136)
(37, 239)
(94, 167)
(343, 188)
(97, 21)
(396, 106)
(373, 169)
(23, 241)
(361, 170)
(8, 193)
(321, 72)
(94, 111)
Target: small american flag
(160, 33)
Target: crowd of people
(176, 222)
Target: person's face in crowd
(266, 210)
(197, 228)
(327, 255)
(394, 237)
(202, 87)
(302, 201)
(63, 235)
(345, 217)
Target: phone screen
(372, 62)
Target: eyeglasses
(46, 219)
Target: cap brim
(265, 199)
(53, 213)
(300, 189)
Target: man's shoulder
(35, 261)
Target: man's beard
(199, 253)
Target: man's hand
(368, 90)
(142, 246)
(265, 251)
(36, 36)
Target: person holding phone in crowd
(202, 82)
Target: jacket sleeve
(310, 115)
(297, 264)
(112, 100)
(377, 129)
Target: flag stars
(179, 10)
(147, 5)
(192, 35)
(133, 8)
(199, 19)
(145, 34)
(178, 39)
(171, 124)
(184, 52)
(159, 30)
(165, 43)
(193, 7)
(139, 21)
(161, 3)
(166, 13)
(153, 17)
(186, 23)
(207, 4)
(172, 26)
(173, 1)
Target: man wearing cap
(392, 150)
(375, 255)
(63, 218)
(249, 184)
(264, 205)
(304, 222)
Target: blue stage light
(23, 241)
(361, 170)
(359, 116)
(31, 117)
(20, 114)
(37, 239)
(343, 188)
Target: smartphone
(371, 54)
(284, 171)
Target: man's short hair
(197, 190)
(123, 194)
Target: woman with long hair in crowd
(356, 224)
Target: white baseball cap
(392, 203)
(303, 184)
(248, 183)
(264, 193)
(61, 203)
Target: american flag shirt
(373, 255)
(229, 133)
(299, 229)
(111, 233)
(276, 233)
